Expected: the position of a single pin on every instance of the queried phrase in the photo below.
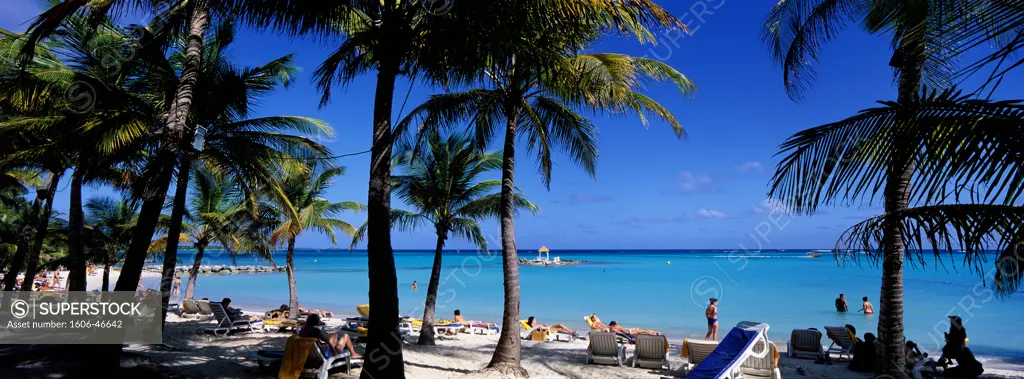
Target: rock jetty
(221, 269)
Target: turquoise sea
(665, 290)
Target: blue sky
(652, 190)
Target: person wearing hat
(956, 340)
(711, 312)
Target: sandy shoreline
(192, 354)
(189, 353)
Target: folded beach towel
(296, 350)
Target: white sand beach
(188, 353)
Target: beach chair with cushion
(484, 328)
(204, 308)
(225, 324)
(294, 363)
(842, 342)
(189, 309)
(651, 352)
(745, 340)
(766, 367)
(527, 332)
(805, 344)
(604, 349)
(694, 351)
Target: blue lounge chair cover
(735, 343)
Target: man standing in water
(711, 312)
(841, 303)
(414, 285)
(868, 308)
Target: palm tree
(440, 181)
(410, 38)
(300, 207)
(537, 99)
(247, 148)
(109, 231)
(216, 206)
(925, 35)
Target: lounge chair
(315, 363)
(695, 351)
(603, 349)
(842, 343)
(746, 340)
(477, 327)
(531, 333)
(204, 308)
(651, 352)
(766, 366)
(225, 324)
(806, 344)
(189, 308)
(622, 338)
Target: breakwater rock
(222, 269)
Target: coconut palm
(440, 181)
(109, 231)
(427, 40)
(843, 161)
(925, 36)
(237, 144)
(216, 205)
(299, 207)
(538, 101)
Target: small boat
(812, 255)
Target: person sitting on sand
(532, 322)
(867, 308)
(864, 355)
(967, 367)
(595, 323)
(956, 340)
(616, 328)
(913, 354)
(333, 343)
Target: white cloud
(750, 166)
(690, 182)
(770, 206)
(710, 213)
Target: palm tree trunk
(106, 276)
(173, 234)
(384, 343)
(76, 224)
(28, 230)
(155, 190)
(193, 273)
(42, 223)
(507, 356)
(897, 198)
(427, 331)
(293, 291)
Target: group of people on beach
(918, 365)
(44, 281)
(866, 307)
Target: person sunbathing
(595, 323)
(615, 327)
(532, 322)
(334, 343)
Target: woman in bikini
(712, 315)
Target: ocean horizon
(660, 289)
